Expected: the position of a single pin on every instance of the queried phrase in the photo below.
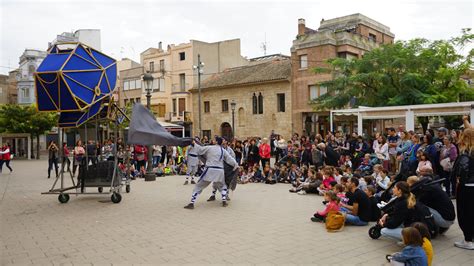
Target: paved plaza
(263, 224)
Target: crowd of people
(388, 179)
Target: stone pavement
(264, 224)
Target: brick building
(262, 96)
(346, 37)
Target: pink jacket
(331, 206)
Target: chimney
(160, 46)
(301, 26)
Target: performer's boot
(189, 206)
(212, 198)
(192, 181)
(186, 182)
(224, 204)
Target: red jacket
(6, 156)
(264, 151)
(140, 150)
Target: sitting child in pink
(328, 178)
(333, 205)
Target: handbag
(446, 164)
(335, 221)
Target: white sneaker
(464, 244)
(301, 192)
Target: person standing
(157, 150)
(264, 151)
(253, 156)
(78, 154)
(215, 157)
(65, 158)
(6, 157)
(392, 141)
(463, 172)
(448, 156)
(52, 158)
(192, 162)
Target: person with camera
(400, 213)
(52, 158)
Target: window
(181, 106)
(323, 90)
(372, 37)
(132, 84)
(152, 66)
(316, 91)
(280, 102)
(225, 106)
(313, 92)
(182, 56)
(162, 65)
(182, 82)
(25, 93)
(138, 84)
(138, 100)
(206, 133)
(303, 61)
(174, 107)
(254, 104)
(126, 85)
(260, 103)
(207, 107)
(162, 84)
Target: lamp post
(148, 80)
(232, 106)
(199, 68)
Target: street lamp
(148, 80)
(199, 68)
(232, 107)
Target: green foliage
(16, 118)
(404, 73)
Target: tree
(404, 73)
(15, 118)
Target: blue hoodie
(411, 256)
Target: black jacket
(332, 157)
(464, 169)
(400, 214)
(434, 197)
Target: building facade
(29, 62)
(345, 37)
(90, 37)
(249, 101)
(3, 89)
(175, 76)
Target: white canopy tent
(409, 112)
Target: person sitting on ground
(374, 210)
(348, 172)
(310, 185)
(438, 202)
(340, 191)
(358, 208)
(365, 163)
(425, 235)
(333, 205)
(338, 172)
(412, 253)
(328, 180)
(382, 182)
(159, 170)
(402, 212)
(377, 169)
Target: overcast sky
(130, 27)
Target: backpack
(335, 221)
(422, 214)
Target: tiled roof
(267, 71)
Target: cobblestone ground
(264, 224)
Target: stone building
(175, 76)
(260, 94)
(3, 89)
(346, 37)
(29, 62)
(129, 86)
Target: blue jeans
(395, 233)
(355, 220)
(156, 160)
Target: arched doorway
(226, 130)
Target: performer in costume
(192, 162)
(228, 169)
(214, 155)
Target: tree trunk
(37, 147)
(31, 146)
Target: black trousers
(465, 210)
(264, 162)
(52, 162)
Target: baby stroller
(422, 213)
